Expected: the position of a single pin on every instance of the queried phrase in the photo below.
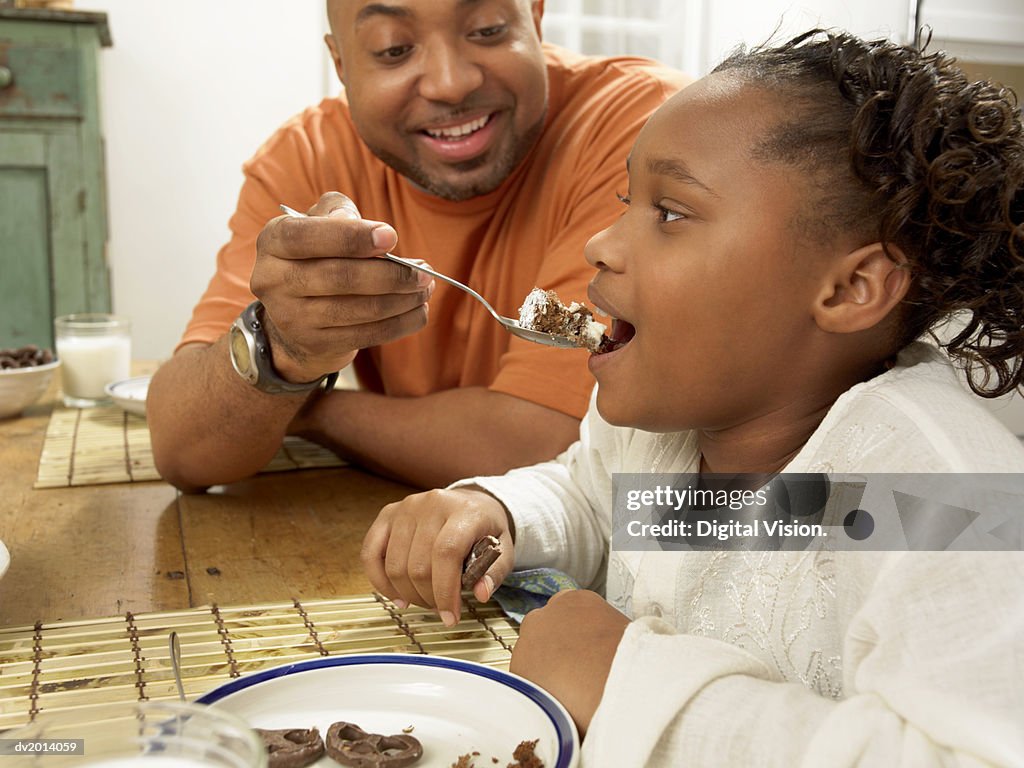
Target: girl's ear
(861, 289)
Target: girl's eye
(667, 216)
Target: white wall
(752, 22)
(694, 35)
(189, 91)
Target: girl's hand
(567, 648)
(414, 551)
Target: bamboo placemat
(108, 445)
(84, 667)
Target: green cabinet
(53, 219)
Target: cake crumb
(464, 761)
(409, 729)
(524, 756)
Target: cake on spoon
(543, 311)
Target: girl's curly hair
(905, 149)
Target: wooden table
(103, 550)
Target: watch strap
(267, 378)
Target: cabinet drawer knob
(6, 77)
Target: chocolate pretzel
(481, 557)
(291, 747)
(351, 745)
(24, 357)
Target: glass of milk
(142, 734)
(94, 350)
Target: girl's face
(707, 266)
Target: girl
(796, 222)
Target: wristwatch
(250, 356)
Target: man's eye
(489, 32)
(393, 53)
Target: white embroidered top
(797, 659)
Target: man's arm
(207, 425)
(210, 427)
(439, 438)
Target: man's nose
(449, 76)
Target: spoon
(511, 325)
(176, 663)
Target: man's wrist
(286, 360)
(252, 358)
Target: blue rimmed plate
(453, 707)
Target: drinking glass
(144, 734)
(94, 350)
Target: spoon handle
(175, 648)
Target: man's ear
(332, 47)
(862, 289)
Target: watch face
(240, 355)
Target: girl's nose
(606, 249)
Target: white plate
(5, 559)
(130, 394)
(454, 707)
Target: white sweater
(817, 659)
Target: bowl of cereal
(25, 373)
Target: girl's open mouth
(621, 334)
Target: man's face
(450, 93)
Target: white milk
(89, 363)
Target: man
(464, 142)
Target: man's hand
(567, 648)
(413, 552)
(324, 293)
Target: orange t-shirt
(528, 232)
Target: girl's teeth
(601, 312)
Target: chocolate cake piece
(543, 311)
(480, 558)
(291, 747)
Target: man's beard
(503, 167)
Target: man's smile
(462, 141)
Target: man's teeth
(457, 131)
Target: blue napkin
(523, 591)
